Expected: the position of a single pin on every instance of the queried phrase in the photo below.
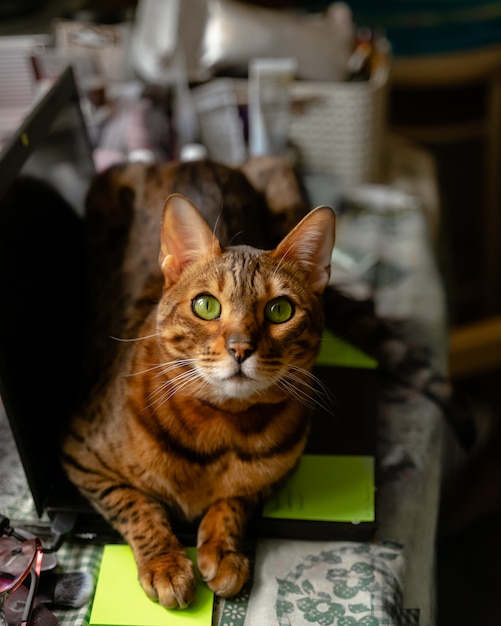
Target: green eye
(206, 307)
(279, 310)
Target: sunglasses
(20, 558)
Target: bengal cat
(201, 401)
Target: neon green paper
(327, 488)
(337, 352)
(120, 601)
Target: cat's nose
(240, 348)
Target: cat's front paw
(225, 571)
(170, 579)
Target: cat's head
(240, 323)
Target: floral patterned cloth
(344, 584)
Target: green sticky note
(337, 352)
(120, 600)
(326, 488)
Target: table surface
(386, 254)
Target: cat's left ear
(310, 244)
(185, 237)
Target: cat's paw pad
(224, 571)
(170, 579)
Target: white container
(269, 105)
(339, 128)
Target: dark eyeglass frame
(30, 550)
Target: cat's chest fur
(190, 482)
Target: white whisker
(282, 259)
(215, 239)
(174, 382)
(125, 340)
(162, 367)
(294, 391)
(324, 390)
(240, 232)
(169, 388)
(308, 388)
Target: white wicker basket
(339, 128)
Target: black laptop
(45, 170)
(44, 174)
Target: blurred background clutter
(401, 93)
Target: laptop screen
(45, 170)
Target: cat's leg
(221, 560)
(164, 570)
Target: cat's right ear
(185, 237)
